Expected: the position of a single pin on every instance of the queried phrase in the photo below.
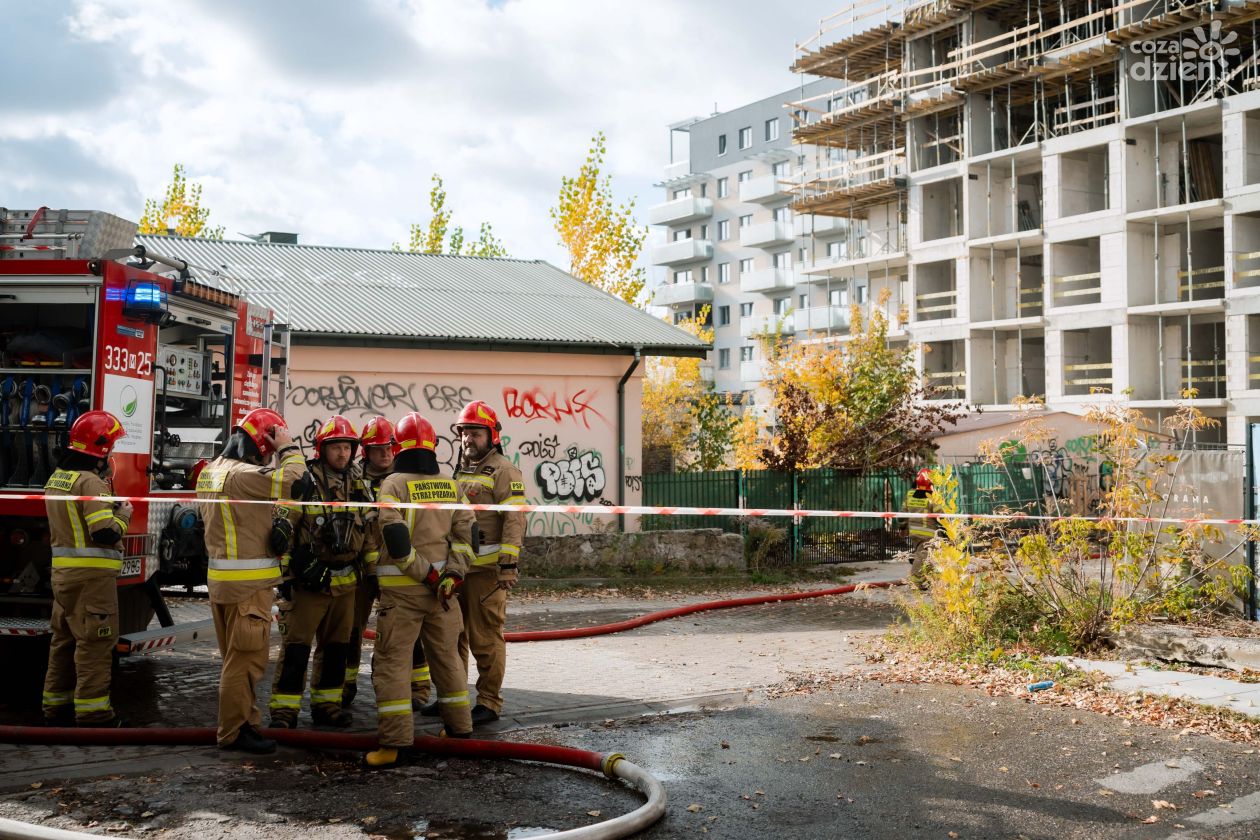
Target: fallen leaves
(592, 813)
(695, 807)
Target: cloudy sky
(327, 117)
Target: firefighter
(424, 559)
(485, 475)
(244, 543)
(922, 530)
(87, 556)
(333, 547)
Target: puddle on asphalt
(458, 830)
(827, 739)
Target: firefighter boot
(286, 691)
(250, 740)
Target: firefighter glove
(448, 584)
(508, 575)
(281, 536)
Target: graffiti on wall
(556, 433)
(579, 478)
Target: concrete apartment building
(727, 237)
(1062, 199)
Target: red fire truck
(89, 320)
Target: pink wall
(559, 413)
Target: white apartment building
(1061, 208)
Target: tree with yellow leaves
(602, 237)
(853, 405)
(682, 413)
(179, 213)
(431, 238)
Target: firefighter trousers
(407, 613)
(84, 631)
(327, 620)
(485, 613)
(243, 629)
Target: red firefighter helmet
(414, 432)
(336, 429)
(479, 413)
(95, 433)
(378, 432)
(258, 424)
(923, 481)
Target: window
(745, 137)
(860, 293)
(782, 305)
(721, 144)
(835, 250)
(704, 190)
(724, 187)
(782, 169)
(724, 316)
(783, 259)
(782, 214)
(745, 221)
(724, 230)
(704, 231)
(724, 273)
(704, 274)
(682, 276)
(680, 235)
(745, 309)
(802, 302)
(745, 265)
(838, 297)
(746, 175)
(800, 256)
(801, 116)
(772, 129)
(683, 193)
(746, 353)
(724, 358)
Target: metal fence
(982, 488)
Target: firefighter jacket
(439, 538)
(921, 529)
(324, 529)
(238, 536)
(75, 555)
(494, 480)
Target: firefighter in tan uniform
(485, 475)
(332, 549)
(244, 547)
(922, 530)
(423, 561)
(87, 556)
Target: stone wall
(702, 549)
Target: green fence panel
(708, 489)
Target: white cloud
(327, 118)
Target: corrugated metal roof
(400, 295)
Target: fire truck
(89, 320)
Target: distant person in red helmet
(244, 547)
(486, 476)
(333, 549)
(87, 556)
(922, 529)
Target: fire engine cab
(89, 320)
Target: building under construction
(1062, 199)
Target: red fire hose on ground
(677, 612)
(612, 765)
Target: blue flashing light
(145, 297)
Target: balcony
(678, 169)
(823, 318)
(761, 325)
(689, 208)
(819, 226)
(752, 371)
(762, 190)
(682, 294)
(767, 280)
(766, 235)
(683, 251)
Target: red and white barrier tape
(647, 510)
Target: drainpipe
(621, 436)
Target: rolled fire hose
(661, 615)
(613, 765)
